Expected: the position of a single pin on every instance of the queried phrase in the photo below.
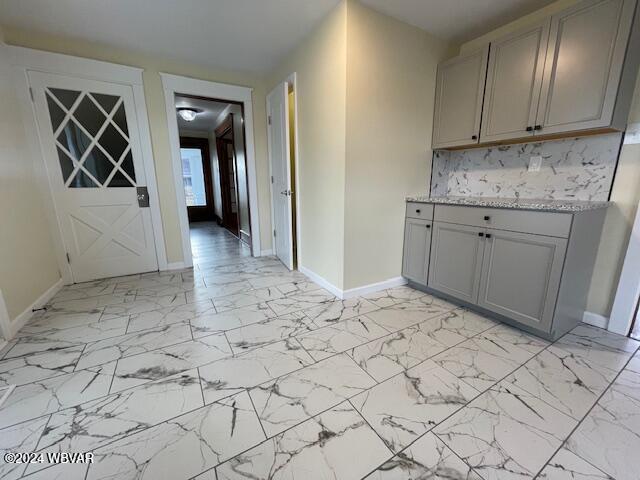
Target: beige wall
(625, 193)
(158, 120)
(618, 223)
(320, 64)
(391, 70)
(28, 266)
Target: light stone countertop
(544, 205)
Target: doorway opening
(283, 165)
(214, 178)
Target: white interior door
(280, 158)
(91, 145)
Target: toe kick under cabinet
(529, 268)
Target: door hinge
(269, 119)
(31, 93)
(274, 233)
(68, 258)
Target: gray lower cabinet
(532, 268)
(456, 260)
(521, 276)
(417, 243)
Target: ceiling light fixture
(188, 114)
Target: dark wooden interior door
(228, 180)
(228, 185)
(197, 178)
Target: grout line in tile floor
(345, 353)
(485, 391)
(586, 415)
(348, 399)
(370, 426)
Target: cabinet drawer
(525, 221)
(423, 211)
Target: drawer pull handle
(480, 234)
(417, 210)
(488, 235)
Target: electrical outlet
(535, 163)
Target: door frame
(24, 60)
(628, 291)
(291, 81)
(177, 84)
(202, 144)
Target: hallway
(213, 245)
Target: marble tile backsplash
(572, 169)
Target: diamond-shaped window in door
(92, 139)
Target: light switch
(535, 163)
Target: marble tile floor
(286, 381)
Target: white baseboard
(5, 323)
(24, 317)
(327, 285)
(374, 287)
(266, 253)
(175, 266)
(595, 319)
(352, 292)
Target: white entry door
(280, 158)
(91, 145)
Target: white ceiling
(249, 35)
(245, 35)
(457, 20)
(205, 121)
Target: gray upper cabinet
(458, 104)
(584, 67)
(575, 71)
(521, 276)
(456, 260)
(514, 80)
(417, 242)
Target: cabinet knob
(428, 226)
(488, 235)
(529, 129)
(474, 137)
(487, 218)
(538, 127)
(480, 234)
(417, 210)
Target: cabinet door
(417, 243)
(514, 79)
(521, 276)
(459, 93)
(586, 53)
(456, 260)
